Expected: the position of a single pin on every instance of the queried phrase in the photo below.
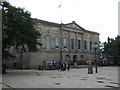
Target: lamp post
(96, 60)
(95, 47)
(61, 41)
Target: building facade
(62, 42)
(65, 42)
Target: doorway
(67, 58)
(75, 59)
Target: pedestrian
(61, 67)
(64, 66)
(68, 66)
(58, 67)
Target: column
(76, 42)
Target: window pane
(85, 44)
(38, 41)
(72, 43)
(78, 44)
(65, 43)
(57, 42)
(47, 41)
(90, 45)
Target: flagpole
(61, 12)
(60, 7)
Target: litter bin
(90, 70)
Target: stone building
(62, 42)
(67, 42)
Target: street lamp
(95, 47)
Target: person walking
(61, 66)
(68, 66)
(64, 67)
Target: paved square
(107, 77)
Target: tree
(18, 31)
(112, 48)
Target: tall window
(85, 45)
(57, 42)
(72, 43)
(79, 44)
(38, 41)
(90, 45)
(48, 41)
(65, 43)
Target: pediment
(73, 25)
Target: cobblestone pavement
(107, 77)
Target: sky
(95, 15)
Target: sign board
(49, 62)
(57, 62)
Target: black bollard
(3, 69)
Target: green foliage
(113, 47)
(6, 55)
(18, 29)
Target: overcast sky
(95, 15)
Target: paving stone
(38, 74)
(100, 81)
(83, 79)
(115, 83)
(101, 78)
(57, 83)
(73, 76)
(68, 77)
(52, 78)
(7, 86)
(60, 77)
(109, 79)
(111, 86)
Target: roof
(73, 22)
(46, 22)
(65, 25)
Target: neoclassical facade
(65, 42)
(62, 42)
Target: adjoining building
(62, 42)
